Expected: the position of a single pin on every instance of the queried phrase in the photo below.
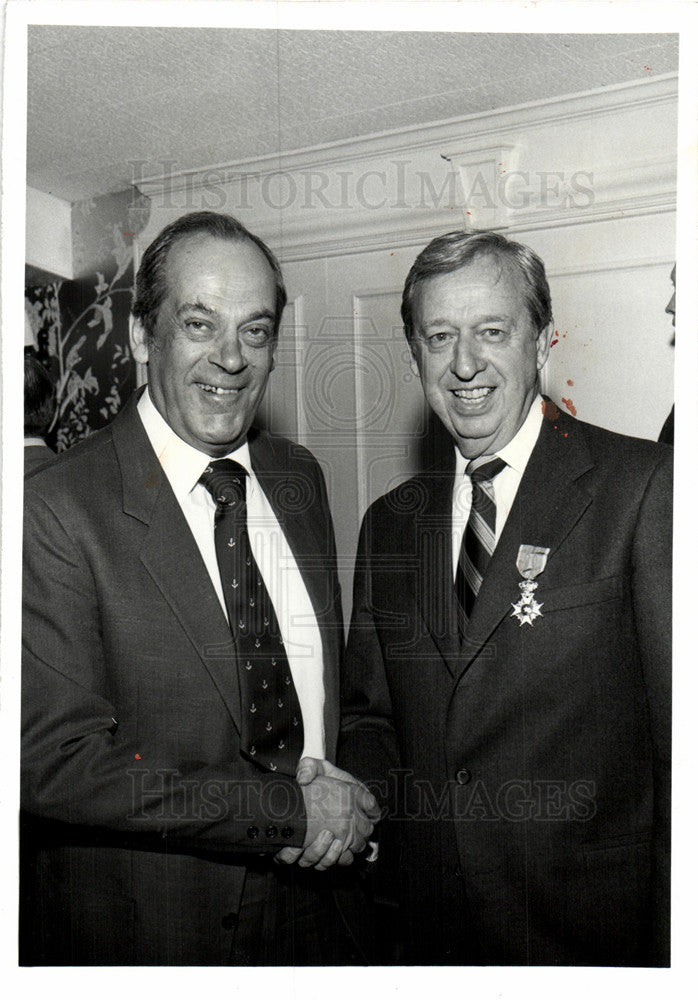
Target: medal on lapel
(530, 563)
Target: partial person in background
(507, 681)
(39, 408)
(666, 435)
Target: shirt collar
(518, 451)
(181, 463)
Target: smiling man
(507, 679)
(182, 629)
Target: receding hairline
(203, 236)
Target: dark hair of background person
(39, 397)
(151, 279)
(453, 250)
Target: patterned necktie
(272, 724)
(478, 539)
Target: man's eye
(196, 325)
(493, 333)
(438, 338)
(257, 334)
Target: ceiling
(101, 99)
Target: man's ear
(543, 341)
(139, 340)
(414, 367)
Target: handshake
(341, 814)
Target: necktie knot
(485, 471)
(225, 480)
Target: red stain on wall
(550, 410)
(570, 406)
(570, 382)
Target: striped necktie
(478, 539)
(272, 724)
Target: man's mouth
(217, 390)
(473, 395)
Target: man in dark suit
(39, 406)
(507, 680)
(164, 717)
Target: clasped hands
(341, 813)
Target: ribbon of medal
(530, 563)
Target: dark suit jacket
(36, 456)
(530, 765)
(140, 810)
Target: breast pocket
(581, 594)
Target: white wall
(587, 181)
(49, 234)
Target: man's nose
(227, 353)
(467, 357)
(671, 305)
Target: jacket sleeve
(651, 587)
(78, 767)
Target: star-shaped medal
(526, 610)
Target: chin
(474, 429)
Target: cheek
(170, 353)
(518, 369)
(434, 367)
(262, 364)
(431, 379)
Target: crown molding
(638, 94)
(402, 188)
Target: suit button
(271, 832)
(229, 922)
(463, 776)
(287, 832)
(253, 832)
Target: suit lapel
(437, 599)
(548, 504)
(171, 555)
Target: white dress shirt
(516, 454)
(183, 466)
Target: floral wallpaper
(81, 326)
